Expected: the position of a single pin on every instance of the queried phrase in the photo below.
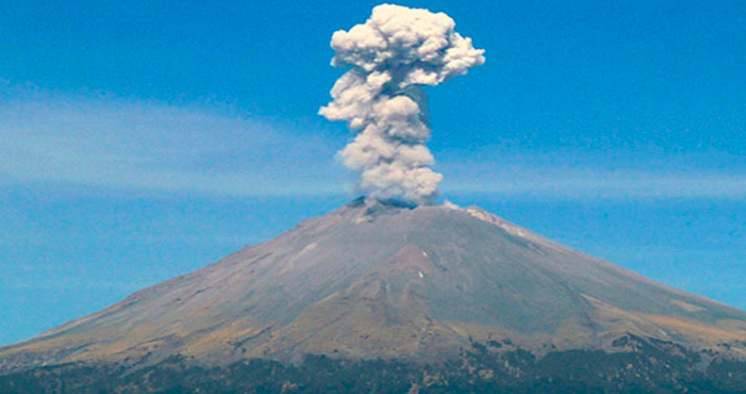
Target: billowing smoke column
(393, 56)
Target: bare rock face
(392, 281)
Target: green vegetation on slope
(651, 367)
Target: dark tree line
(653, 367)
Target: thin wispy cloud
(107, 143)
(154, 147)
(579, 185)
(577, 174)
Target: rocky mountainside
(382, 280)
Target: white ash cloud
(392, 58)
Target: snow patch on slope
(492, 219)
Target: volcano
(384, 280)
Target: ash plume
(392, 58)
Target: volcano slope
(382, 285)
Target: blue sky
(145, 139)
